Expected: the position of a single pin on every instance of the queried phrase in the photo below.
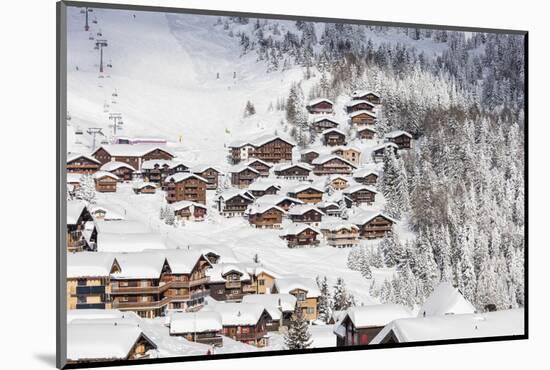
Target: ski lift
(78, 131)
(110, 65)
(99, 33)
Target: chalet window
(220, 291)
(261, 282)
(301, 296)
(123, 284)
(235, 291)
(82, 282)
(310, 310)
(124, 299)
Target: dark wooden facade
(83, 164)
(270, 218)
(105, 184)
(322, 106)
(358, 105)
(324, 123)
(269, 190)
(309, 156)
(368, 96)
(334, 166)
(211, 175)
(242, 178)
(356, 336)
(193, 188)
(402, 141)
(260, 166)
(308, 195)
(365, 133)
(312, 216)
(275, 150)
(293, 172)
(235, 205)
(362, 118)
(103, 156)
(367, 179)
(306, 237)
(361, 196)
(255, 335)
(376, 228)
(333, 138)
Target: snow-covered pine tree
(341, 299)
(325, 301)
(298, 336)
(86, 191)
(169, 216)
(249, 109)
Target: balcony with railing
(141, 304)
(230, 284)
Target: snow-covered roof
(297, 228)
(287, 166)
(326, 118)
(362, 111)
(375, 315)
(218, 271)
(181, 261)
(225, 253)
(353, 103)
(490, 324)
(326, 204)
(345, 149)
(302, 187)
(195, 322)
(142, 185)
(85, 156)
(74, 210)
(366, 128)
(135, 150)
(139, 265)
(88, 264)
(129, 242)
(242, 167)
(287, 302)
(445, 300)
(365, 171)
(331, 130)
(181, 176)
(74, 178)
(182, 204)
(237, 314)
(311, 150)
(254, 160)
(264, 139)
(397, 133)
(288, 284)
(355, 188)
(324, 159)
(319, 100)
(338, 177)
(98, 314)
(334, 225)
(276, 199)
(364, 216)
(150, 164)
(263, 185)
(301, 209)
(95, 341)
(200, 168)
(115, 165)
(361, 93)
(384, 146)
(259, 208)
(102, 174)
(230, 194)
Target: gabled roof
(446, 327)
(139, 265)
(237, 314)
(102, 174)
(195, 322)
(230, 194)
(334, 225)
(253, 160)
(362, 111)
(99, 341)
(288, 284)
(372, 316)
(127, 150)
(182, 204)
(366, 128)
(311, 150)
(262, 208)
(264, 139)
(295, 229)
(115, 165)
(263, 185)
(319, 100)
(326, 118)
(200, 168)
(365, 171)
(301, 209)
(324, 159)
(85, 156)
(287, 302)
(361, 93)
(353, 103)
(445, 300)
(141, 185)
(303, 187)
(74, 211)
(384, 146)
(276, 199)
(182, 261)
(355, 188)
(182, 176)
(397, 133)
(366, 216)
(242, 167)
(89, 264)
(331, 130)
(150, 164)
(287, 166)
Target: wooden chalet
(338, 182)
(229, 283)
(340, 234)
(308, 155)
(322, 105)
(88, 280)
(134, 155)
(297, 171)
(379, 151)
(360, 194)
(82, 164)
(210, 174)
(259, 188)
(365, 176)
(333, 137)
(373, 225)
(330, 209)
(361, 324)
(239, 151)
(306, 213)
(105, 182)
(401, 138)
(123, 171)
(189, 211)
(306, 292)
(234, 203)
(272, 149)
(323, 123)
(201, 327)
(369, 96)
(307, 193)
(156, 171)
(92, 342)
(358, 104)
(332, 165)
(350, 154)
(281, 308)
(144, 188)
(265, 216)
(362, 117)
(281, 201)
(244, 322)
(365, 132)
(77, 216)
(261, 166)
(185, 186)
(242, 176)
(300, 235)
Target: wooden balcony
(250, 336)
(141, 305)
(232, 284)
